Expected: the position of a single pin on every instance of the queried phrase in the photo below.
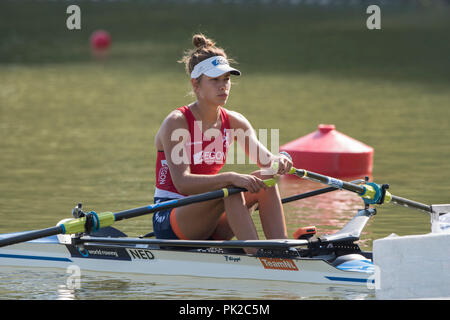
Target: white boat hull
(140, 259)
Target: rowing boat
(90, 243)
(330, 259)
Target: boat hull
(141, 259)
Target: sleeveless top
(205, 154)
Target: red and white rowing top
(205, 155)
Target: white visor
(213, 67)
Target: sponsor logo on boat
(278, 264)
(97, 252)
(100, 252)
(140, 254)
(232, 259)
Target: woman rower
(191, 154)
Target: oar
(371, 193)
(289, 199)
(94, 221)
(313, 193)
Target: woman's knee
(236, 199)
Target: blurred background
(76, 126)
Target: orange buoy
(330, 152)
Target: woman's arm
(247, 139)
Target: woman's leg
(206, 219)
(223, 230)
(239, 218)
(199, 220)
(270, 210)
(203, 220)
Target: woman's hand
(250, 182)
(284, 163)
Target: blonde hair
(204, 48)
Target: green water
(64, 144)
(73, 129)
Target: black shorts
(162, 222)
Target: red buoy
(329, 152)
(100, 43)
(100, 40)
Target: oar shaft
(105, 219)
(132, 213)
(358, 189)
(411, 204)
(329, 180)
(31, 235)
(313, 193)
(217, 194)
